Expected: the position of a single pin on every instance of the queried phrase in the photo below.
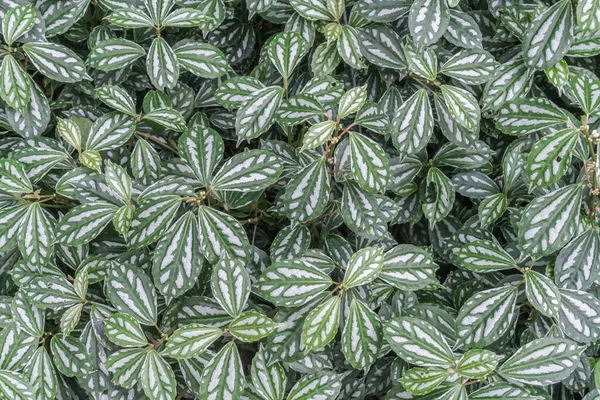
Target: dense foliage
(299, 199)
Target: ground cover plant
(299, 199)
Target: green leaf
(15, 386)
(236, 91)
(585, 89)
(126, 365)
(412, 125)
(251, 170)
(550, 157)
(291, 283)
(578, 316)
(70, 356)
(131, 292)
(167, 117)
(13, 178)
(307, 192)
(484, 256)
(187, 18)
(421, 61)
(318, 134)
(369, 163)
(230, 284)
(492, 208)
(428, 20)
(110, 131)
(130, 18)
(70, 132)
(420, 381)
(112, 54)
(36, 237)
(91, 159)
(258, 113)
(364, 267)
(321, 325)
(56, 61)
(381, 46)
(463, 106)
(444, 197)
(477, 364)
(325, 59)
(15, 88)
(525, 116)
(408, 267)
(116, 98)
(549, 36)
(18, 20)
(152, 218)
(542, 362)
(221, 234)
(218, 385)
(298, 109)
(162, 64)
(84, 223)
(202, 59)
(362, 336)
(290, 242)
(511, 80)
(202, 149)
(285, 51)
(312, 10)
(26, 316)
(145, 163)
(464, 31)
(575, 266)
(268, 379)
(418, 342)
(252, 326)
(542, 293)
(125, 331)
(549, 221)
(352, 101)
(348, 47)
(472, 67)
(558, 74)
(191, 340)
(42, 375)
(158, 10)
(486, 316)
(50, 292)
(323, 385)
(157, 377)
(503, 391)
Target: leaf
(70, 356)
(158, 10)
(502, 390)
(167, 117)
(549, 36)
(202, 149)
(421, 61)
(258, 114)
(298, 109)
(187, 18)
(126, 365)
(130, 17)
(408, 267)
(15, 88)
(162, 64)
(285, 51)
(318, 134)
(218, 385)
(463, 30)
(50, 292)
(56, 61)
(472, 67)
(362, 336)
(352, 101)
(202, 59)
(157, 377)
(312, 10)
(35, 237)
(252, 326)
(364, 267)
(462, 105)
(145, 163)
(251, 170)
(550, 157)
(151, 219)
(586, 91)
(269, 380)
(236, 91)
(542, 293)
(130, 290)
(484, 256)
(369, 163)
(307, 192)
(323, 385)
(291, 283)
(116, 98)
(549, 221)
(125, 331)
(26, 316)
(511, 80)
(575, 266)
(578, 316)
(13, 178)
(444, 197)
(542, 362)
(420, 381)
(428, 20)
(221, 234)
(418, 342)
(486, 316)
(413, 124)
(41, 374)
(558, 74)
(230, 285)
(290, 242)
(112, 54)
(191, 340)
(70, 132)
(321, 325)
(17, 21)
(84, 223)
(381, 46)
(476, 364)
(15, 386)
(110, 131)
(588, 18)
(348, 47)
(525, 116)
